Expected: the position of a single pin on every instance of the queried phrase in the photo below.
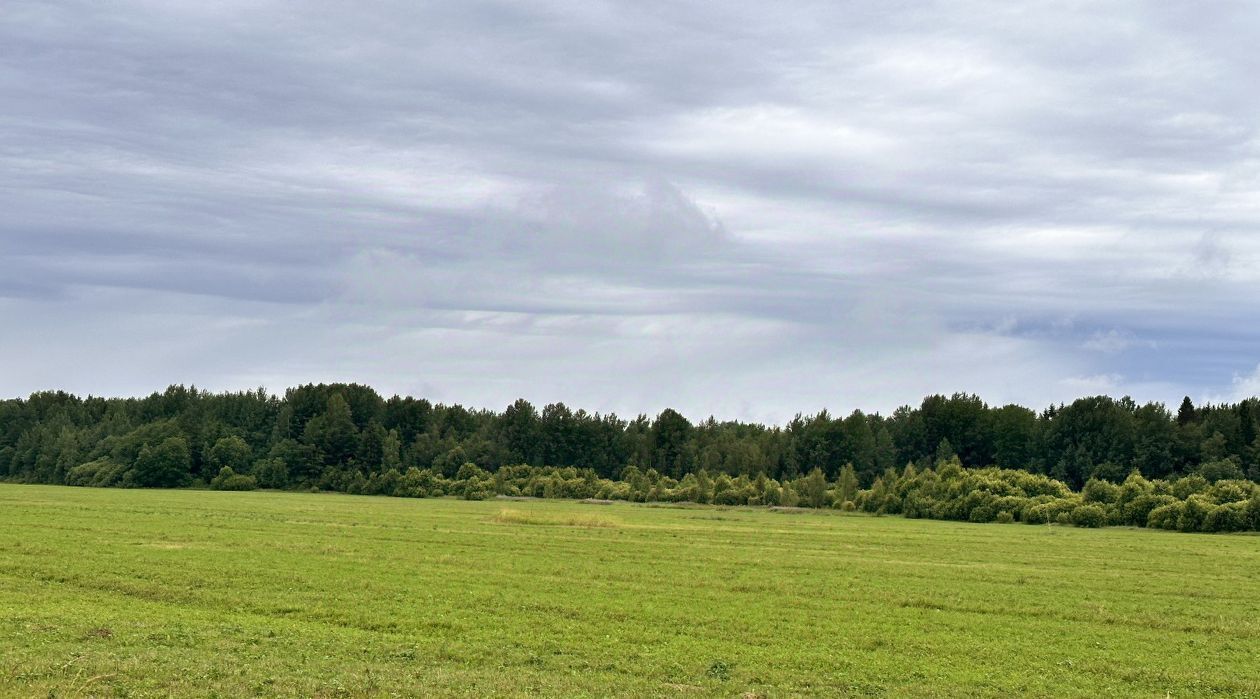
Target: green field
(156, 593)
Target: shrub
(1193, 512)
(774, 495)
(1223, 491)
(1230, 517)
(1137, 511)
(981, 506)
(1005, 517)
(101, 473)
(1183, 488)
(1096, 490)
(271, 473)
(469, 471)
(1165, 516)
(231, 480)
(1014, 505)
(1133, 487)
(1092, 516)
(915, 505)
(382, 483)
(1050, 511)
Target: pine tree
(1186, 413)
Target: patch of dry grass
(510, 516)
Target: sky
(739, 209)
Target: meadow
(113, 592)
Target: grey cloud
(743, 209)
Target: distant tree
(1186, 413)
(165, 465)
(521, 432)
(671, 433)
(449, 463)
(1154, 441)
(271, 473)
(1214, 448)
(391, 452)
(230, 452)
(1220, 469)
(370, 453)
(333, 432)
(847, 487)
(813, 489)
(1110, 471)
(302, 462)
(885, 450)
(1015, 438)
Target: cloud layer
(746, 210)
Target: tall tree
(1186, 413)
(333, 432)
(671, 433)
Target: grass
(513, 516)
(186, 593)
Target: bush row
(947, 492)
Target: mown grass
(516, 516)
(157, 593)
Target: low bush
(231, 480)
(1092, 516)
(1165, 516)
(1230, 517)
(101, 473)
(1194, 512)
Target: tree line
(346, 437)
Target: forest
(1095, 461)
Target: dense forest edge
(1095, 462)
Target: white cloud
(1242, 386)
(1111, 342)
(1093, 385)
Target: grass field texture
(156, 593)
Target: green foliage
(847, 484)
(229, 452)
(231, 480)
(101, 473)
(1137, 511)
(1053, 511)
(1220, 469)
(1194, 512)
(1110, 471)
(1183, 488)
(1165, 516)
(1230, 517)
(1100, 491)
(165, 465)
(271, 473)
(333, 433)
(1089, 516)
(1126, 459)
(813, 489)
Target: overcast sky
(745, 209)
